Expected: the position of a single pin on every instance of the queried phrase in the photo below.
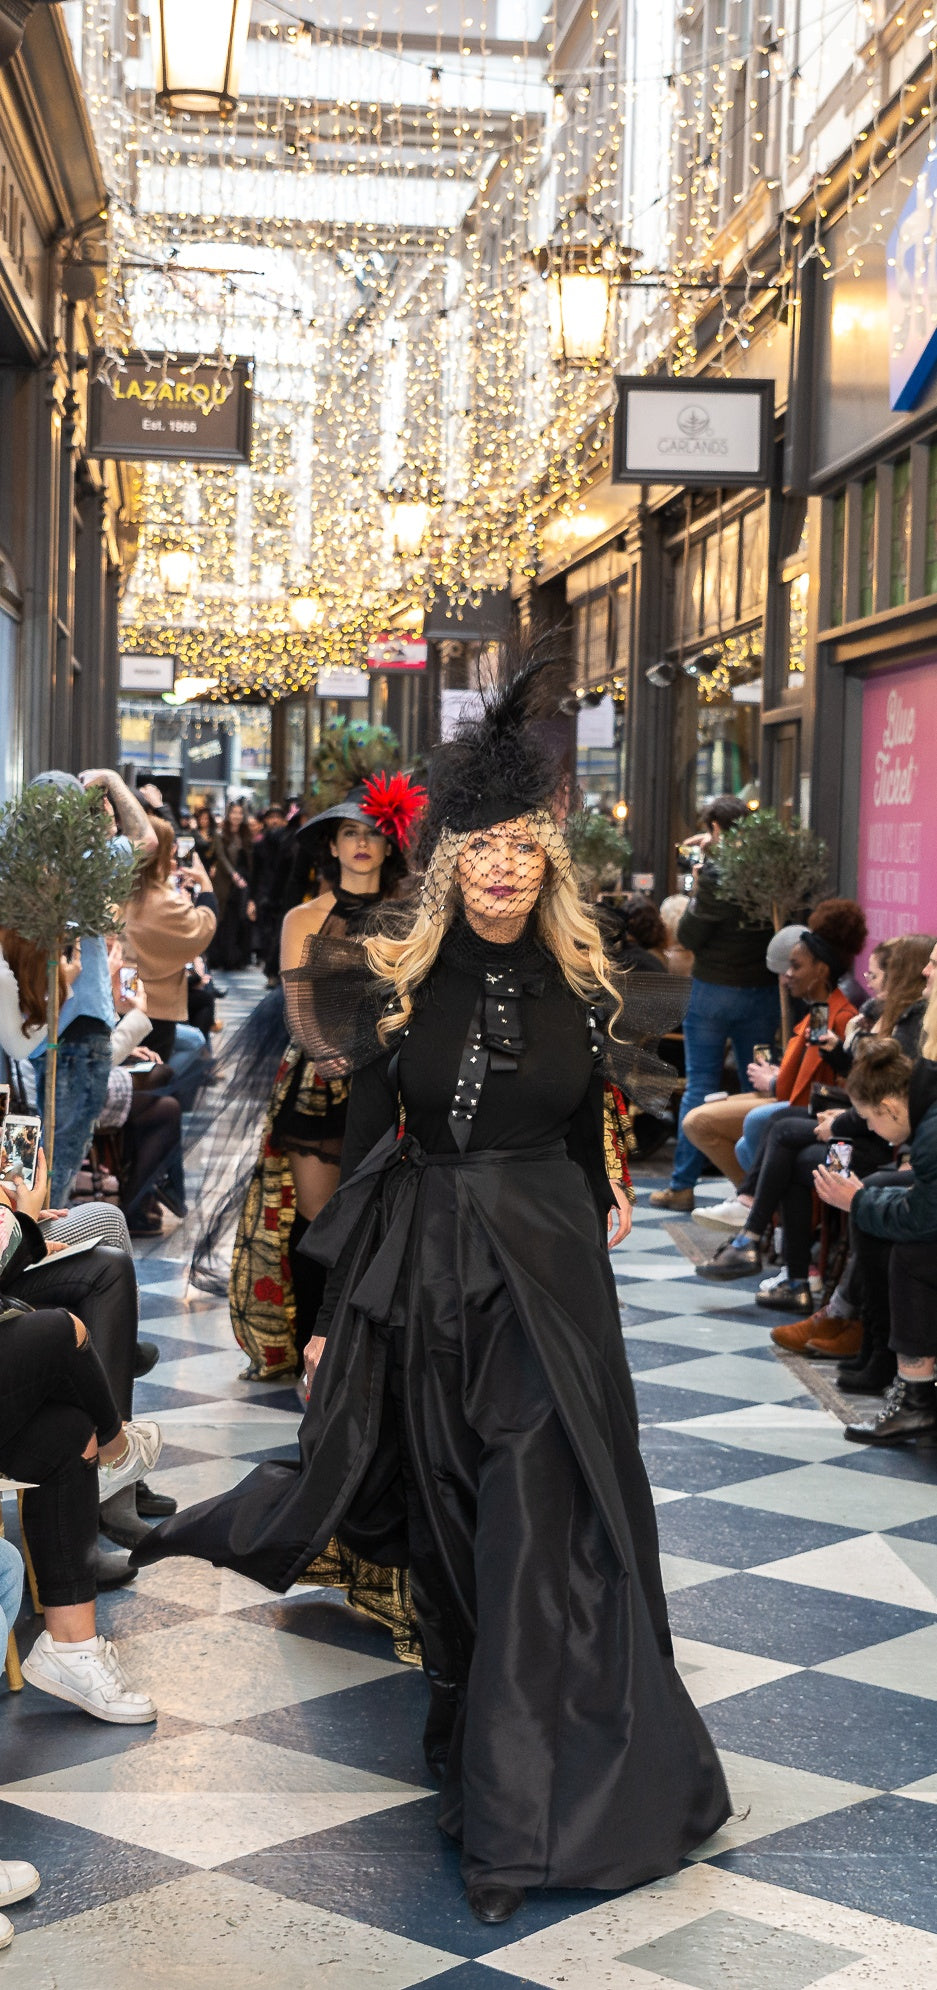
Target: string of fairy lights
(365, 227)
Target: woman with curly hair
(472, 1416)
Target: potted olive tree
(773, 871)
(60, 877)
(598, 849)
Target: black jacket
(909, 1215)
(726, 952)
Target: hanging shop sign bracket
(180, 409)
(690, 431)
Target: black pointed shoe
(731, 1263)
(788, 1298)
(494, 1903)
(910, 1410)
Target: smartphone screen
(762, 1054)
(184, 847)
(19, 1157)
(839, 1157)
(129, 982)
(819, 1021)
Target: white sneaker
(144, 1444)
(777, 1278)
(18, 1879)
(89, 1679)
(732, 1215)
(7, 1932)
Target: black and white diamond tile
(278, 1825)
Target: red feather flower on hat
(394, 804)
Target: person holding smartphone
(894, 1230)
(165, 929)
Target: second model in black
(472, 1416)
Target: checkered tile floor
(277, 1826)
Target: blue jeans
(744, 1015)
(188, 1063)
(11, 1584)
(80, 1091)
(755, 1132)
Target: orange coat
(803, 1063)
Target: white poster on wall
(595, 724)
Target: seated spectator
(167, 924)
(87, 1017)
(796, 1145)
(101, 1284)
(61, 1433)
(894, 1229)
(637, 934)
(834, 933)
(897, 1008)
(18, 1879)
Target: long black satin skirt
(473, 1416)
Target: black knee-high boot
(308, 1277)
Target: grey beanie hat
(781, 947)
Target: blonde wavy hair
(565, 926)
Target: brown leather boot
(795, 1335)
(833, 1345)
(682, 1200)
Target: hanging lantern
(306, 612)
(177, 569)
(582, 270)
(197, 53)
(408, 515)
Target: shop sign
(692, 431)
(595, 725)
(912, 292)
(393, 652)
(178, 409)
(341, 684)
(21, 248)
(146, 673)
(456, 708)
(897, 883)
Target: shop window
(900, 559)
(930, 571)
(838, 560)
(592, 639)
(867, 547)
(753, 562)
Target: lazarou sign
(152, 407)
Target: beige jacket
(164, 931)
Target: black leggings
(101, 1287)
(151, 1134)
(54, 1396)
(785, 1182)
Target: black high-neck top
(532, 1106)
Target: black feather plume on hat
(501, 762)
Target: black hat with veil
(497, 792)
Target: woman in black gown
(472, 1416)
